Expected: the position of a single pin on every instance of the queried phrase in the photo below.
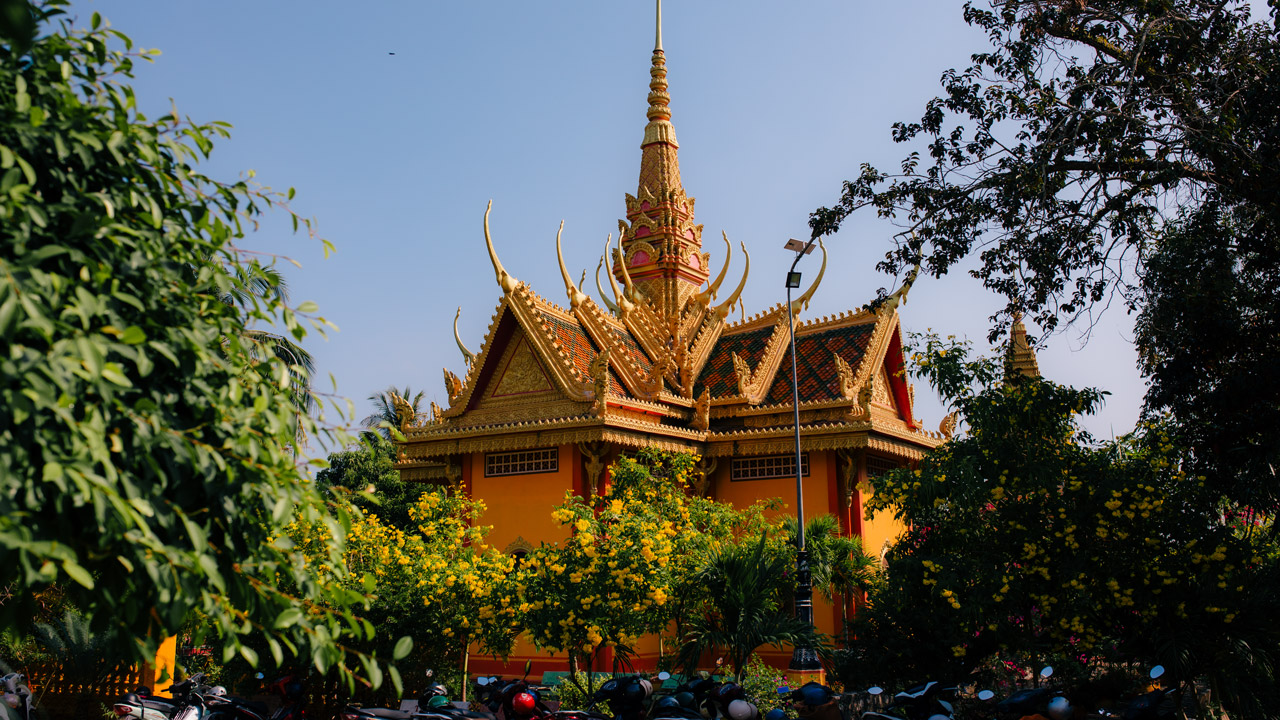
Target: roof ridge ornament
(723, 308)
(802, 302)
(613, 307)
(575, 294)
(470, 356)
(506, 280)
(706, 296)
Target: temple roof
(659, 363)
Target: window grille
(523, 462)
(877, 466)
(767, 467)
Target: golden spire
(1020, 357)
(657, 41)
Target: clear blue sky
(541, 108)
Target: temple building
(558, 390)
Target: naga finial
(802, 302)
(613, 307)
(575, 295)
(624, 303)
(633, 293)
(723, 308)
(470, 356)
(505, 280)
(706, 296)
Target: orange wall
(880, 528)
(521, 505)
(742, 493)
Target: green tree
(1027, 538)
(749, 587)
(840, 570)
(367, 471)
(384, 409)
(145, 449)
(1116, 145)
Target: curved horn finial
(706, 296)
(899, 296)
(613, 307)
(505, 279)
(723, 308)
(633, 293)
(802, 302)
(470, 356)
(623, 303)
(575, 295)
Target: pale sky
(398, 121)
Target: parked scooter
(17, 697)
(142, 705)
(929, 701)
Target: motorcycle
(17, 697)
(928, 701)
(142, 705)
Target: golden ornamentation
(613, 307)
(848, 390)
(522, 374)
(436, 412)
(593, 459)
(575, 294)
(948, 425)
(702, 411)
(802, 302)
(452, 386)
(599, 370)
(849, 460)
(723, 308)
(467, 355)
(518, 545)
(703, 473)
(405, 415)
(506, 281)
(743, 372)
(882, 395)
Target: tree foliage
(1027, 538)
(145, 448)
(1116, 145)
(367, 475)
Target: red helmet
(524, 703)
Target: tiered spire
(1021, 357)
(662, 245)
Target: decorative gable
(521, 374)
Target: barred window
(524, 462)
(877, 466)
(769, 466)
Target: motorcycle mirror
(1157, 671)
(985, 694)
(1047, 672)
(493, 679)
(875, 690)
(664, 675)
(259, 675)
(482, 681)
(431, 673)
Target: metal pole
(802, 658)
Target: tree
(840, 570)
(367, 472)
(385, 411)
(1078, 156)
(1027, 538)
(145, 449)
(748, 586)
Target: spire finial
(657, 43)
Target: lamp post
(802, 658)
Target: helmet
(668, 702)
(813, 694)
(775, 714)
(1059, 708)
(218, 691)
(524, 703)
(742, 710)
(686, 700)
(437, 701)
(729, 692)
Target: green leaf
(111, 372)
(308, 307)
(404, 646)
(78, 574)
(288, 618)
(133, 335)
(396, 682)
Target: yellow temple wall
(519, 506)
(880, 529)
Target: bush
(761, 681)
(570, 692)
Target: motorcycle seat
(385, 713)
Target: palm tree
(839, 569)
(384, 409)
(746, 608)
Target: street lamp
(802, 658)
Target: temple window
(877, 466)
(523, 462)
(768, 467)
